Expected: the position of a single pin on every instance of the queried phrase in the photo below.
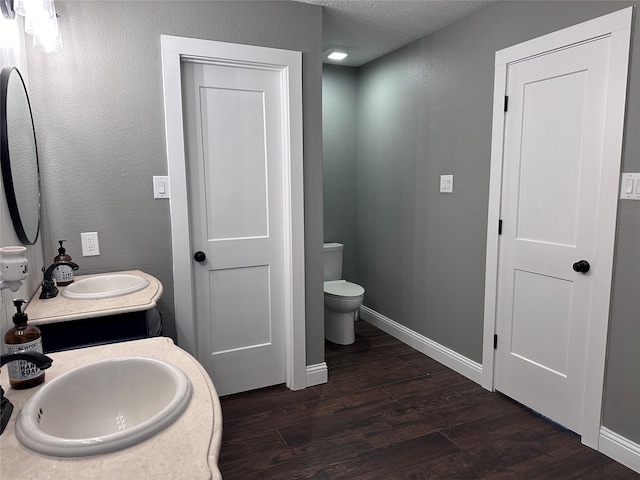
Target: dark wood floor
(389, 412)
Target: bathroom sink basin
(103, 407)
(104, 286)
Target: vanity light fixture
(40, 21)
(6, 7)
(10, 34)
(337, 53)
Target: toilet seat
(342, 288)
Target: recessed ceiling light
(336, 55)
(337, 52)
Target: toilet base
(338, 327)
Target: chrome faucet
(49, 289)
(41, 361)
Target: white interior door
(176, 51)
(235, 161)
(553, 155)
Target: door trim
(617, 26)
(289, 63)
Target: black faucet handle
(6, 408)
(49, 290)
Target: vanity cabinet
(67, 324)
(93, 331)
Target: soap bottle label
(20, 370)
(63, 273)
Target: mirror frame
(5, 159)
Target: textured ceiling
(376, 27)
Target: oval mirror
(19, 156)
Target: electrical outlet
(90, 245)
(446, 183)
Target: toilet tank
(332, 261)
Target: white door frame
(617, 26)
(289, 63)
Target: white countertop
(186, 449)
(62, 309)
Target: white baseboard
(619, 448)
(459, 363)
(317, 374)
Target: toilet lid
(342, 288)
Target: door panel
(540, 332)
(551, 158)
(234, 146)
(236, 169)
(244, 327)
(551, 177)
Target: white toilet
(342, 299)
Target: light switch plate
(630, 186)
(446, 183)
(161, 187)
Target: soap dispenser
(63, 275)
(23, 338)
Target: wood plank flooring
(389, 412)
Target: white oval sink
(104, 286)
(103, 407)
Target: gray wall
(425, 110)
(339, 100)
(98, 109)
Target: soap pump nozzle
(19, 317)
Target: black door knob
(581, 266)
(199, 256)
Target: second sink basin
(104, 286)
(103, 407)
